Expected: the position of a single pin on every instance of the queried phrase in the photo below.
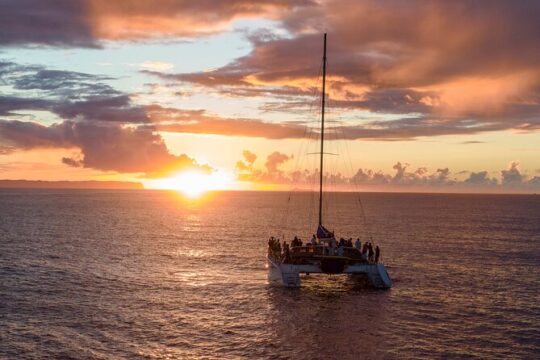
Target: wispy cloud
(156, 66)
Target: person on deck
(349, 242)
(377, 253)
(370, 252)
(314, 240)
(286, 253)
(358, 244)
(365, 248)
(271, 245)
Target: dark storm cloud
(70, 95)
(85, 23)
(28, 135)
(103, 147)
(108, 109)
(10, 104)
(98, 120)
(49, 22)
(68, 83)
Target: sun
(195, 183)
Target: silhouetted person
(370, 252)
(286, 252)
(358, 245)
(377, 253)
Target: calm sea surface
(151, 275)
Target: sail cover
(324, 233)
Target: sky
(422, 95)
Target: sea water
(154, 275)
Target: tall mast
(322, 132)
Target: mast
(322, 133)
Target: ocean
(99, 274)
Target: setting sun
(195, 183)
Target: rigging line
(313, 135)
(307, 131)
(356, 186)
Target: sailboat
(322, 254)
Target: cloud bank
(449, 67)
(104, 124)
(87, 23)
(404, 178)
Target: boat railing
(310, 250)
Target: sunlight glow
(194, 183)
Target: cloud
(512, 175)
(109, 130)
(472, 142)
(403, 179)
(274, 160)
(102, 147)
(200, 122)
(86, 23)
(156, 66)
(50, 22)
(448, 66)
(246, 165)
(272, 173)
(480, 178)
(68, 94)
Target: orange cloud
(102, 147)
(457, 67)
(87, 22)
(199, 122)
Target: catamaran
(322, 254)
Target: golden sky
(427, 96)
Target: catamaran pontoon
(321, 256)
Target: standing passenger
(358, 244)
(377, 253)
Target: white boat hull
(288, 275)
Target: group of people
(372, 255)
(279, 251)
